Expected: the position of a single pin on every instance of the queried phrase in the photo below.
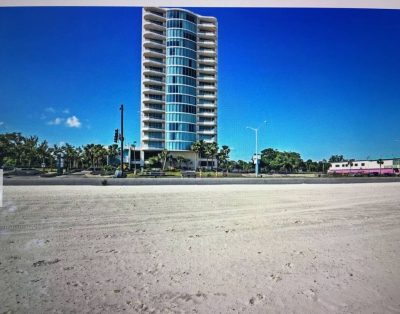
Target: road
(96, 181)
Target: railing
(147, 127)
(207, 59)
(207, 94)
(154, 97)
(156, 22)
(155, 41)
(156, 32)
(155, 69)
(207, 25)
(154, 78)
(155, 13)
(152, 137)
(206, 33)
(155, 50)
(155, 60)
(153, 87)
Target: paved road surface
(79, 180)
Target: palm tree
(380, 162)
(70, 155)
(163, 156)
(187, 162)
(198, 148)
(30, 148)
(18, 147)
(223, 156)
(100, 154)
(180, 160)
(171, 161)
(43, 152)
(79, 157)
(210, 151)
(230, 165)
(154, 160)
(113, 151)
(89, 151)
(54, 151)
(214, 151)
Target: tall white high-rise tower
(179, 81)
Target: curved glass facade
(181, 64)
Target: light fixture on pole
(256, 157)
(122, 139)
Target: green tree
(198, 149)
(100, 155)
(223, 157)
(80, 158)
(11, 146)
(163, 156)
(89, 154)
(43, 152)
(9, 161)
(336, 158)
(323, 166)
(244, 166)
(274, 160)
(180, 160)
(154, 161)
(210, 150)
(70, 155)
(29, 149)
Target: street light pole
(256, 133)
(256, 153)
(134, 156)
(122, 140)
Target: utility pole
(122, 140)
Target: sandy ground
(201, 249)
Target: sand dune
(201, 249)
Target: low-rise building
(366, 167)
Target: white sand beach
(201, 249)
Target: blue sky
(326, 80)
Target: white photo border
(356, 4)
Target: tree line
(17, 150)
(206, 150)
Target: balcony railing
(161, 33)
(155, 13)
(206, 34)
(160, 70)
(156, 22)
